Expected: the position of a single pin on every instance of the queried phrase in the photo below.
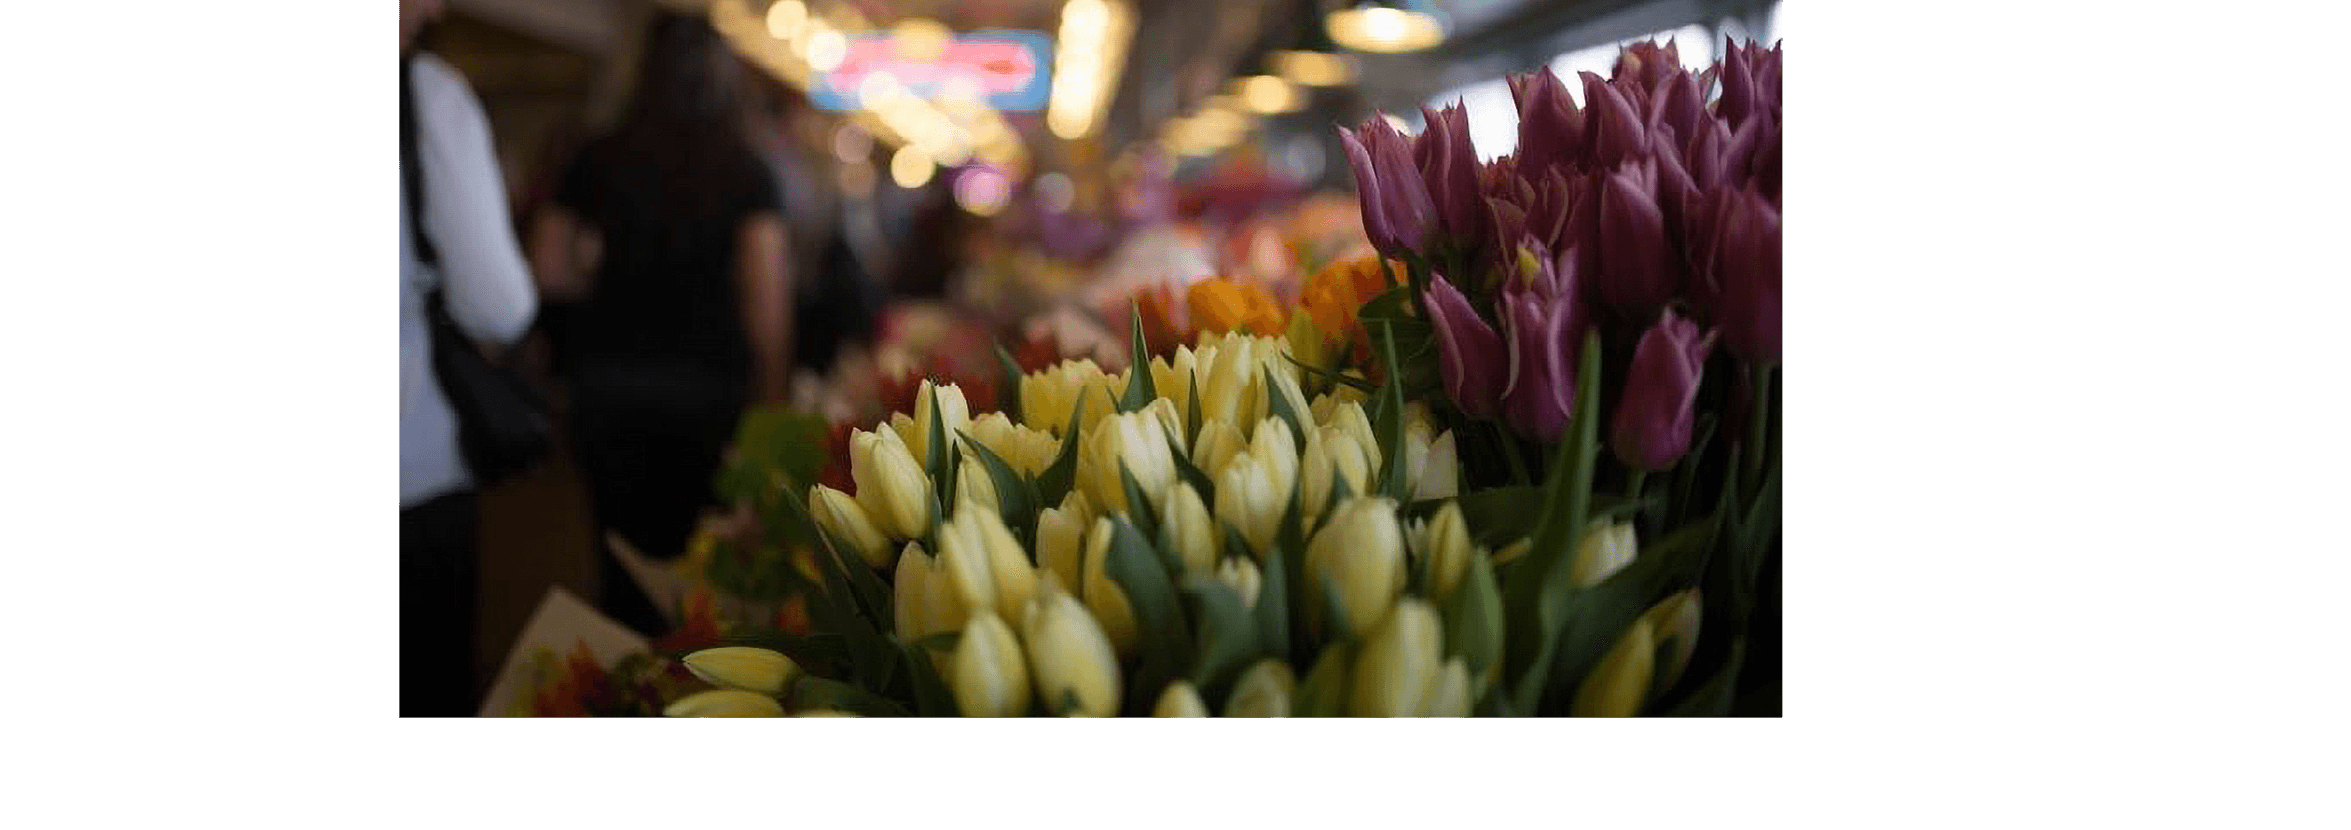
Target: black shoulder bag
(503, 423)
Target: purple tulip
(1550, 126)
(1473, 355)
(1680, 106)
(1747, 276)
(1542, 335)
(1646, 63)
(1653, 418)
(1615, 122)
(1639, 268)
(1750, 82)
(1448, 164)
(1397, 211)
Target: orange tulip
(1335, 295)
(1221, 305)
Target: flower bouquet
(1499, 470)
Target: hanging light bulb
(1308, 68)
(1382, 28)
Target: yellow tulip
(1180, 700)
(890, 485)
(1446, 547)
(1249, 502)
(1070, 657)
(1617, 686)
(1243, 576)
(1605, 550)
(974, 485)
(1360, 553)
(1331, 456)
(956, 412)
(1047, 395)
(1397, 672)
(1262, 692)
(1186, 528)
(1102, 595)
(743, 668)
(1451, 698)
(1674, 621)
(988, 671)
(724, 703)
(988, 567)
(1061, 536)
(838, 514)
(1136, 441)
(1217, 443)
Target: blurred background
(948, 174)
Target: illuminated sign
(1004, 68)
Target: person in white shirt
(463, 245)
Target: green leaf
(1141, 575)
(770, 440)
(1140, 510)
(1228, 636)
(1012, 491)
(1279, 405)
(1140, 389)
(1191, 474)
(1273, 607)
(1389, 425)
(1323, 694)
(1054, 482)
(809, 692)
(1712, 697)
(942, 641)
(1330, 376)
(1593, 619)
(1008, 400)
(931, 697)
(1540, 586)
(1192, 409)
(1335, 624)
(935, 460)
(1473, 617)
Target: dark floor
(534, 535)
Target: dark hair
(686, 77)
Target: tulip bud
(1474, 363)
(910, 600)
(1748, 266)
(1451, 697)
(743, 668)
(1027, 451)
(1171, 420)
(1449, 168)
(890, 485)
(1134, 440)
(1397, 210)
(1447, 548)
(1242, 576)
(1102, 595)
(1217, 443)
(1659, 405)
(1186, 528)
(1347, 419)
(1618, 684)
(1399, 666)
(1180, 701)
(1331, 455)
(1440, 474)
(1360, 553)
(1605, 550)
(990, 676)
(1248, 501)
(1674, 622)
(1061, 536)
(952, 408)
(1046, 396)
(1276, 450)
(1069, 656)
(987, 566)
(1542, 390)
(1263, 691)
(840, 517)
(974, 485)
(724, 703)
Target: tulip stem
(1632, 488)
(1509, 447)
(1759, 425)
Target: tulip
(1400, 663)
(1550, 127)
(910, 596)
(1275, 449)
(1331, 456)
(1136, 441)
(1748, 269)
(987, 566)
(1654, 416)
(1186, 529)
(1440, 475)
(974, 485)
(1232, 379)
(1646, 63)
(1682, 109)
(1070, 657)
(1046, 396)
(840, 517)
(1451, 696)
(1449, 166)
(1061, 536)
(1618, 684)
(989, 677)
(1473, 356)
(1216, 444)
(1027, 451)
(1674, 622)
(743, 668)
(1639, 268)
(724, 703)
(1397, 210)
(1242, 576)
(1171, 421)
(1102, 595)
(1445, 546)
(1220, 304)
(1180, 700)
(1360, 553)
(956, 413)
(1605, 550)
(1348, 418)
(1249, 502)
(1263, 691)
(890, 484)
(1541, 394)
(1617, 132)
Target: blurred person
(455, 239)
(667, 235)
